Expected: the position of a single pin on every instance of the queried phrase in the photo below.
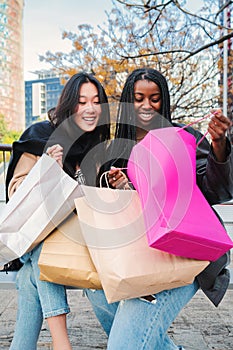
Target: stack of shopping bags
(129, 242)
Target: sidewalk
(200, 326)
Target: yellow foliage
(174, 80)
(78, 46)
(143, 51)
(156, 46)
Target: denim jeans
(36, 300)
(138, 324)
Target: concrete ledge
(7, 280)
(231, 280)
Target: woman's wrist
(79, 177)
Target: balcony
(5, 152)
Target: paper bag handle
(104, 175)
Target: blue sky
(45, 20)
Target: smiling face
(88, 108)
(147, 102)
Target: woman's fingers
(55, 152)
(54, 149)
(218, 125)
(117, 178)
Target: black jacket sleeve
(215, 179)
(33, 140)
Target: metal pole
(225, 64)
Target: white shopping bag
(43, 200)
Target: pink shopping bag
(178, 218)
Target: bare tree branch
(206, 20)
(190, 53)
(163, 35)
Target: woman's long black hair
(125, 134)
(69, 98)
(126, 118)
(76, 143)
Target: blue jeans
(36, 299)
(138, 324)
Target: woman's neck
(140, 134)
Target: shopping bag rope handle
(197, 121)
(105, 176)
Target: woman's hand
(56, 152)
(118, 179)
(217, 128)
